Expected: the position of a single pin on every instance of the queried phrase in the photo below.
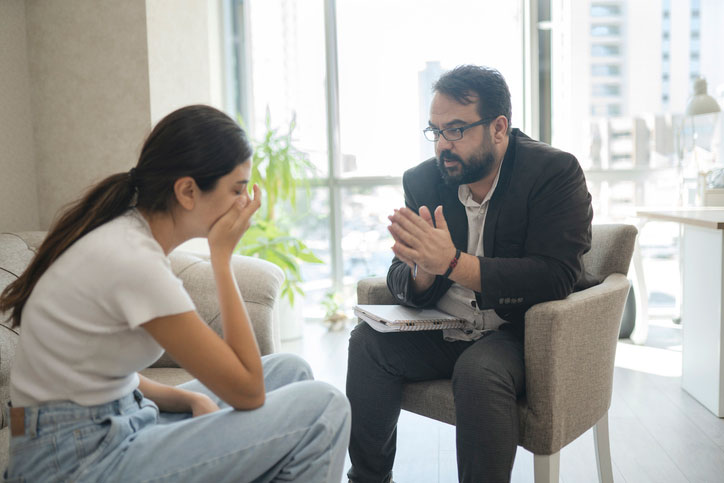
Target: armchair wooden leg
(603, 450)
(546, 467)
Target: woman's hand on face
(226, 232)
(202, 404)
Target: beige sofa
(259, 282)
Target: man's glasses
(453, 133)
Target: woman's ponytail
(197, 141)
(103, 202)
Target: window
(606, 90)
(605, 30)
(649, 95)
(603, 10)
(388, 55)
(386, 77)
(605, 70)
(603, 50)
(286, 65)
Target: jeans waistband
(25, 420)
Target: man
(495, 223)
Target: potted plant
(279, 169)
(334, 315)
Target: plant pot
(289, 320)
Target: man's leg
(487, 381)
(378, 365)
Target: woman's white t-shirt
(80, 338)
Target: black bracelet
(453, 264)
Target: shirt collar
(465, 195)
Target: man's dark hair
(468, 83)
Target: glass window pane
(366, 241)
(605, 30)
(604, 50)
(606, 90)
(650, 65)
(633, 139)
(389, 55)
(604, 10)
(311, 224)
(605, 70)
(287, 59)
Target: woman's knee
(284, 368)
(323, 400)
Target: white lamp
(704, 106)
(701, 102)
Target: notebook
(396, 318)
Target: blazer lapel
(496, 202)
(454, 211)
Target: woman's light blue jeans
(299, 434)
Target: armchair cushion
(259, 282)
(374, 291)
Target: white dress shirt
(458, 300)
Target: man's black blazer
(537, 228)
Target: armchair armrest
(570, 346)
(259, 283)
(374, 291)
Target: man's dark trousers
(487, 376)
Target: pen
(414, 272)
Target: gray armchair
(570, 346)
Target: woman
(99, 302)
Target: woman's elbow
(248, 402)
(248, 398)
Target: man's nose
(443, 144)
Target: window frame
(237, 53)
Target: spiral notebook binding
(426, 324)
(385, 318)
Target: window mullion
(334, 149)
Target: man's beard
(476, 168)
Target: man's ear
(500, 128)
(186, 192)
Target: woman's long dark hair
(197, 141)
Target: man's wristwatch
(453, 264)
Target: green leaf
(280, 169)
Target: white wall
(89, 93)
(85, 81)
(18, 189)
(178, 80)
